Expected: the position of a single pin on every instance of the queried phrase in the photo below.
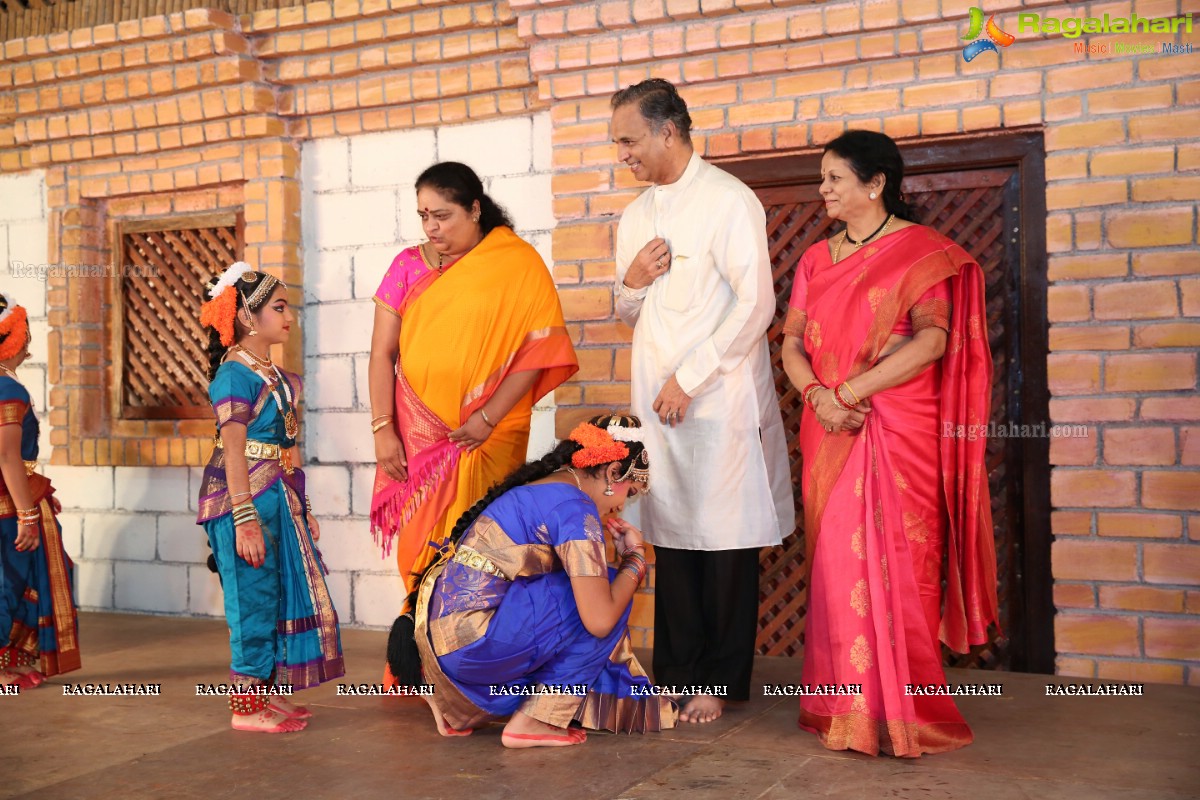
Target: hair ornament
(622, 434)
(598, 445)
(229, 277)
(14, 328)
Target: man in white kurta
(694, 281)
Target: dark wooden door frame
(1027, 391)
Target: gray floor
(178, 745)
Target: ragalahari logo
(995, 36)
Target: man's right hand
(651, 261)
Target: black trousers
(705, 618)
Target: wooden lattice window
(159, 349)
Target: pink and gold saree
(885, 506)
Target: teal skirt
(282, 624)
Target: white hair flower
(623, 434)
(229, 277)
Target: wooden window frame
(117, 230)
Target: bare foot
(28, 677)
(267, 721)
(288, 708)
(9, 677)
(524, 731)
(443, 727)
(702, 708)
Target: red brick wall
(1123, 175)
(203, 111)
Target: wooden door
(986, 208)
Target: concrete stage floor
(179, 745)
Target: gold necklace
(578, 485)
(10, 373)
(880, 231)
(252, 359)
(266, 369)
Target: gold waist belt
(266, 451)
(476, 560)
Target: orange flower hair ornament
(219, 312)
(14, 326)
(599, 447)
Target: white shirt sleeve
(741, 256)
(628, 301)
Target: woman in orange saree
(885, 337)
(468, 335)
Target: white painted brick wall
(345, 259)
(205, 598)
(151, 587)
(94, 585)
(131, 530)
(181, 540)
(120, 536)
(151, 488)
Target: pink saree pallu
(887, 505)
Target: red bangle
(804, 392)
(837, 395)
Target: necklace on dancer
(10, 373)
(578, 485)
(274, 379)
(253, 359)
(880, 231)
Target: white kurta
(720, 479)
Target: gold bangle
(853, 393)
(381, 416)
(483, 413)
(377, 427)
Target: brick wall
(1123, 176)
(762, 77)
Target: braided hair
(402, 654)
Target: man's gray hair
(658, 102)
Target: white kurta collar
(689, 173)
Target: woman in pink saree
(886, 339)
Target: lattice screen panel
(164, 359)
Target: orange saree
(887, 506)
(493, 313)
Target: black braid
(216, 353)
